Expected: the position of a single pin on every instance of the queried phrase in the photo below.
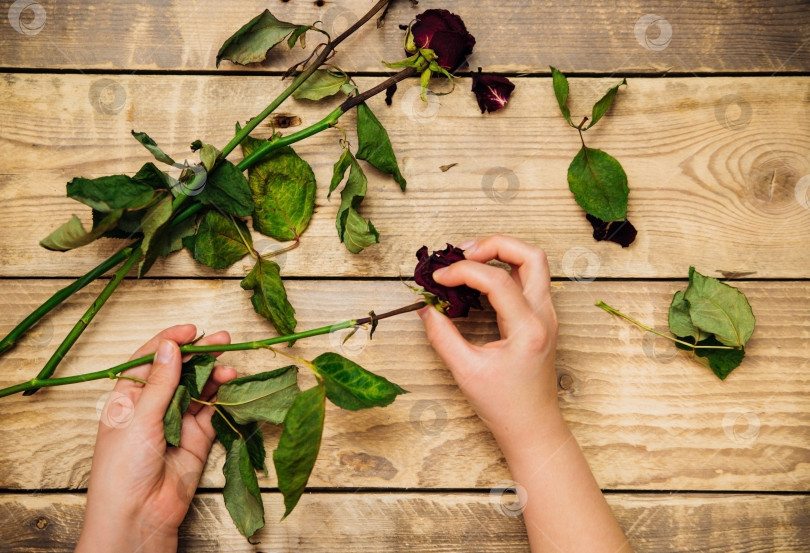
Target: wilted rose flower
(491, 91)
(621, 232)
(459, 298)
(445, 34)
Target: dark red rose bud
(445, 34)
(491, 91)
(459, 298)
(621, 232)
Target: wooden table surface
(713, 130)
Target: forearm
(564, 509)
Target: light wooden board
(432, 522)
(647, 418)
(718, 168)
(585, 36)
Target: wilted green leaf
(283, 187)
(260, 397)
(604, 103)
(107, 194)
(173, 418)
(72, 234)
(350, 386)
(250, 433)
(680, 323)
(175, 235)
(208, 156)
(339, 170)
(155, 233)
(719, 309)
(299, 444)
(227, 189)
(355, 232)
(195, 373)
(269, 296)
(359, 233)
(251, 43)
(720, 361)
(152, 146)
(374, 145)
(599, 184)
(242, 496)
(560, 83)
(150, 175)
(321, 84)
(220, 241)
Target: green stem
(613, 311)
(133, 255)
(241, 346)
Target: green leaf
(155, 233)
(152, 146)
(175, 235)
(355, 232)
(339, 170)
(227, 189)
(299, 444)
(350, 386)
(251, 43)
(720, 361)
(173, 418)
(604, 103)
(719, 309)
(680, 323)
(250, 433)
(209, 156)
(107, 194)
(242, 496)
(299, 33)
(560, 83)
(220, 240)
(195, 373)
(260, 397)
(150, 175)
(374, 145)
(321, 84)
(283, 187)
(72, 234)
(269, 296)
(599, 184)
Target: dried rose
(458, 299)
(445, 34)
(621, 232)
(491, 91)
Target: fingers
(161, 382)
(445, 338)
(528, 263)
(181, 334)
(219, 376)
(215, 339)
(503, 293)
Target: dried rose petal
(621, 232)
(491, 91)
(445, 34)
(459, 298)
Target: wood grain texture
(646, 416)
(429, 522)
(585, 36)
(718, 168)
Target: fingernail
(437, 274)
(164, 352)
(468, 246)
(423, 313)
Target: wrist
(533, 437)
(104, 534)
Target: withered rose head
(491, 91)
(445, 34)
(459, 298)
(621, 232)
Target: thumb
(161, 382)
(445, 339)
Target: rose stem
(241, 346)
(613, 311)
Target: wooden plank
(416, 522)
(585, 36)
(725, 196)
(647, 418)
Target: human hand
(511, 382)
(140, 489)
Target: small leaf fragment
(350, 386)
(152, 146)
(358, 233)
(173, 418)
(339, 170)
(599, 184)
(72, 234)
(224, 426)
(560, 83)
(269, 296)
(299, 444)
(374, 145)
(355, 232)
(719, 309)
(242, 496)
(604, 103)
(321, 84)
(251, 43)
(209, 156)
(227, 189)
(620, 232)
(680, 323)
(263, 397)
(220, 241)
(155, 233)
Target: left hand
(140, 488)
